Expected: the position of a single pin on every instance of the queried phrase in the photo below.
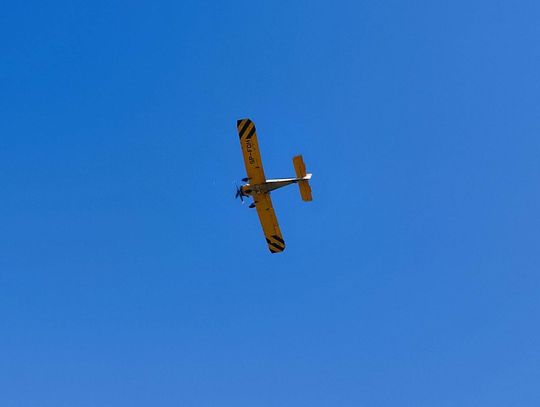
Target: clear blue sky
(129, 275)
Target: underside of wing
(250, 151)
(269, 223)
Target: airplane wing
(250, 150)
(269, 223)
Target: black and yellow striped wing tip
(245, 128)
(275, 244)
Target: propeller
(239, 194)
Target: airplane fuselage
(270, 185)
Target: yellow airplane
(259, 187)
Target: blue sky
(129, 276)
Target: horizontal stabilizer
(299, 166)
(303, 178)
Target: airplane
(259, 188)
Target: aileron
(269, 223)
(250, 150)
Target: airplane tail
(303, 178)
